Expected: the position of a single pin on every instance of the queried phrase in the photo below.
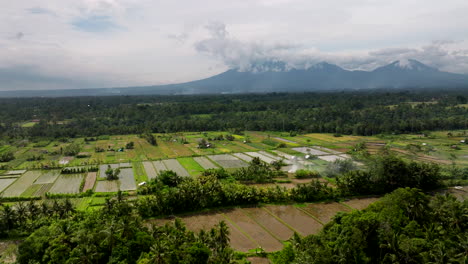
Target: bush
(307, 174)
(7, 156)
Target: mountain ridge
(278, 76)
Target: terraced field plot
(244, 157)
(150, 170)
(324, 212)
(127, 181)
(205, 163)
(159, 166)
(192, 167)
(295, 218)
(228, 161)
(14, 172)
(311, 151)
(107, 186)
(332, 158)
(90, 180)
(67, 183)
(263, 157)
(174, 165)
(48, 177)
(360, 204)
(20, 185)
(4, 183)
(263, 218)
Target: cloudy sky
(61, 44)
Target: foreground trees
(405, 226)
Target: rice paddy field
(267, 227)
(228, 161)
(67, 183)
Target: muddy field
(228, 161)
(174, 165)
(150, 170)
(205, 163)
(360, 204)
(90, 180)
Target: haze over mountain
(277, 76)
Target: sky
(64, 44)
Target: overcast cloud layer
(58, 44)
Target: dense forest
(359, 113)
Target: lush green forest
(360, 113)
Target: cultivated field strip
(90, 180)
(14, 172)
(267, 154)
(125, 165)
(159, 166)
(20, 185)
(67, 183)
(107, 186)
(261, 156)
(332, 158)
(150, 170)
(174, 165)
(205, 163)
(311, 151)
(268, 226)
(283, 155)
(127, 181)
(48, 177)
(228, 161)
(4, 183)
(242, 156)
(103, 168)
(360, 204)
(43, 189)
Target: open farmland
(90, 180)
(159, 166)
(48, 177)
(174, 165)
(268, 226)
(228, 161)
(311, 151)
(19, 186)
(192, 167)
(5, 182)
(150, 170)
(244, 157)
(127, 181)
(262, 157)
(67, 183)
(107, 186)
(205, 163)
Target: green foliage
(7, 156)
(307, 174)
(130, 145)
(71, 150)
(339, 166)
(257, 171)
(112, 174)
(403, 227)
(150, 138)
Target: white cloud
(144, 42)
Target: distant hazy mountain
(276, 76)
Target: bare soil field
(263, 218)
(295, 219)
(256, 232)
(90, 180)
(360, 204)
(324, 212)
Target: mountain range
(276, 76)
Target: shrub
(307, 174)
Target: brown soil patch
(295, 218)
(325, 211)
(256, 232)
(90, 180)
(265, 219)
(423, 157)
(360, 204)
(258, 260)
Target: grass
(191, 166)
(139, 172)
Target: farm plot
(239, 240)
(90, 180)
(4, 183)
(43, 189)
(174, 165)
(228, 161)
(311, 151)
(205, 163)
(242, 156)
(107, 186)
(125, 165)
(261, 156)
(48, 177)
(324, 212)
(256, 232)
(192, 167)
(19, 186)
(295, 219)
(159, 166)
(67, 183)
(127, 181)
(360, 204)
(263, 218)
(103, 168)
(332, 158)
(14, 172)
(150, 171)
